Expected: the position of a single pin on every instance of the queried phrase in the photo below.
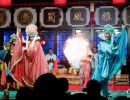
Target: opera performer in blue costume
(111, 55)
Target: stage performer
(111, 55)
(85, 68)
(4, 65)
(28, 62)
(94, 60)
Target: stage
(118, 86)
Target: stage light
(78, 31)
(60, 2)
(5, 3)
(119, 2)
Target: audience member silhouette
(93, 90)
(63, 86)
(24, 93)
(121, 98)
(45, 87)
(75, 96)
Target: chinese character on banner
(78, 16)
(126, 15)
(51, 17)
(106, 15)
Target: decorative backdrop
(5, 17)
(78, 16)
(25, 16)
(106, 15)
(51, 17)
(126, 15)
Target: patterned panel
(25, 16)
(126, 15)
(78, 16)
(5, 17)
(51, 17)
(106, 15)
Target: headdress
(13, 37)
(31, 31)
(31, 28)
(107, 29)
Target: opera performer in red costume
(28, 62)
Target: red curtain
(119, 2)
(60, 2)
(5, 3)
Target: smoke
(75, 49)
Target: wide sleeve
(121, 48)
(123, 45)
(31, 52)
(17, 52)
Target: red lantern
(59, 2)
(5, 3)
(119, 2)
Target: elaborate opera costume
(85, 69)
(29, 62)
(94, 60)
(111, 55)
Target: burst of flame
(75, 50)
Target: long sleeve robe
(27, 66)
(111, 55)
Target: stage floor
(114, 93)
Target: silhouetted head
(24, 93)
(63, 85)
(93, 87)
(45, 85)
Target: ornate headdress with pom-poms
(13, 38)
(31, 28)
(31, 31)
(106, 29)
